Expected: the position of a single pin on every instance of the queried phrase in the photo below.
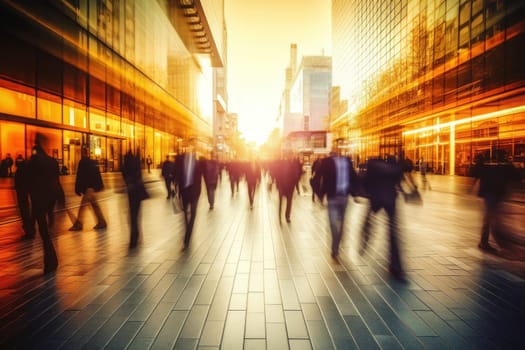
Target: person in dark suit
(168, 173)
(495, 180)
(211, 178)
(190, 189)
(45, 190)
(88, 181)
(287, 176)
(381, 183)
(22, 197)
(234, 173)
(252, 172)
(314, 185)
(337, 179)
(132, 173)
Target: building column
(452, 150)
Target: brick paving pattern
(250, 282)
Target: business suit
(337, 180)
(45, 190)
(252, 172)
(191, 172)
(286, 179)
(381, 183)
(132, 173)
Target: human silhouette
(149, 162)
(234, 173)
(313, 184)
(168, 173)
(131, 171)
(88, 181)
(495, 179)
(423, 168)
(45, 190)
(382, 182)
(252, 173)
(337, 179)
(286, 178)
(22, 183)
(9, 164)
(211, 178)
(190, 190)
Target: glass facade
(442, 80)
(111, 74)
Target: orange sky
(259, 36)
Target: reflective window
(74, 114)
(17, 99)
(49, 107)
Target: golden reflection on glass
(75, 114)
(97, 120)
(17, 103)
(49, 107)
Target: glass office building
(111, 75)
(442, 80)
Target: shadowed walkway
(248, 281)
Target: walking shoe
(397, 273)
(487, 248)
(100, 226)
(77, 226)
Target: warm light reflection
(490, 115)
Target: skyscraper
(440, 80)
(111, 74)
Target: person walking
(211, 178)
(252, 172)
(313, 184)
(287, 176)
(337, 179)
(423, 167)
(190, 190)
(132, 173)
(382, 182)
(495, 179)
(45, 190)
(88, 181)
(23, 198)
(168, 173)
(9, 164)
(149, 162)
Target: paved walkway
(248, 281)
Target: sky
(260, 33)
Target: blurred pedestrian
(132, 173)
(88, 182)
(495, 179)
(168, 173)
(149, 162)
(381, 183)
(423, 167)
(23, 198)
(190, 190)
(337, 179)
(313, 184)
(287, 176)
(252, 172)
(45, 190)
(297, 171)
(234, 173)
(211, 178)
(9, 164)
